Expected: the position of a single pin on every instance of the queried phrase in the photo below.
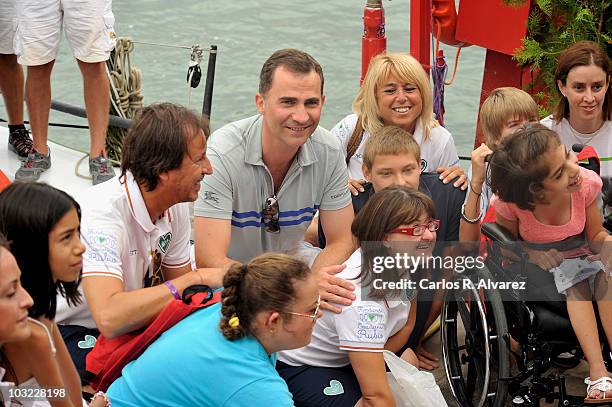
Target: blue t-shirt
(193, 364)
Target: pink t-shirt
(532, 230)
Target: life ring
(445, 22)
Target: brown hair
(294, 60)
(386, 210)
(390, 140)
(264, 283)
(582, 53)
(516, 166)
(501, 105)
(4, 243)
(157, 141)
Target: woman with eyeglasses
(343, 364)
(224, 355)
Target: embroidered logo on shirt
(335, 388)
(103, 247)
(371, 324)
(164, 242)
(339, 195)
(210, 196)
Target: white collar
(137, 204)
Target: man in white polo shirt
(273, 171)
(136, 227)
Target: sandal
(603, 385)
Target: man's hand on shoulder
(335, 290)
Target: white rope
(126, 96)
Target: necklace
(581, 140)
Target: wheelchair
(514, 351)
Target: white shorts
(8, 25)
(88, 25)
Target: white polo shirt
(438, 150)
(122, 242)
(363, 326)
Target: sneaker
(100, 169)
(33, 166)
(20, 142)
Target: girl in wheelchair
(343, 364)
(544, 197)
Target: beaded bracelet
(468, 220)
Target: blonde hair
(390, 140)
(406, 69)
(503, 104)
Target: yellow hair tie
(234, 322)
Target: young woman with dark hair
(224, 355)
(43, 225)
(343, 366)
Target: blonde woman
(396, 91)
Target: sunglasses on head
(270, 215)
(418, 230)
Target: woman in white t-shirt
(344, 360)
(584, 112)
(396, 91)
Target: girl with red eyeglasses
(343, 364)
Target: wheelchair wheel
(477, 365)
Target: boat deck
(62, 173)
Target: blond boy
(503, 112)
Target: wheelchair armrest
(606, 190)
(502, 237)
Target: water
(247, 32)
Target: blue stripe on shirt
(258, 224)
(255, 214)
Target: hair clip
(234, 322)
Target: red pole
(374, 40)
(420, 27)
